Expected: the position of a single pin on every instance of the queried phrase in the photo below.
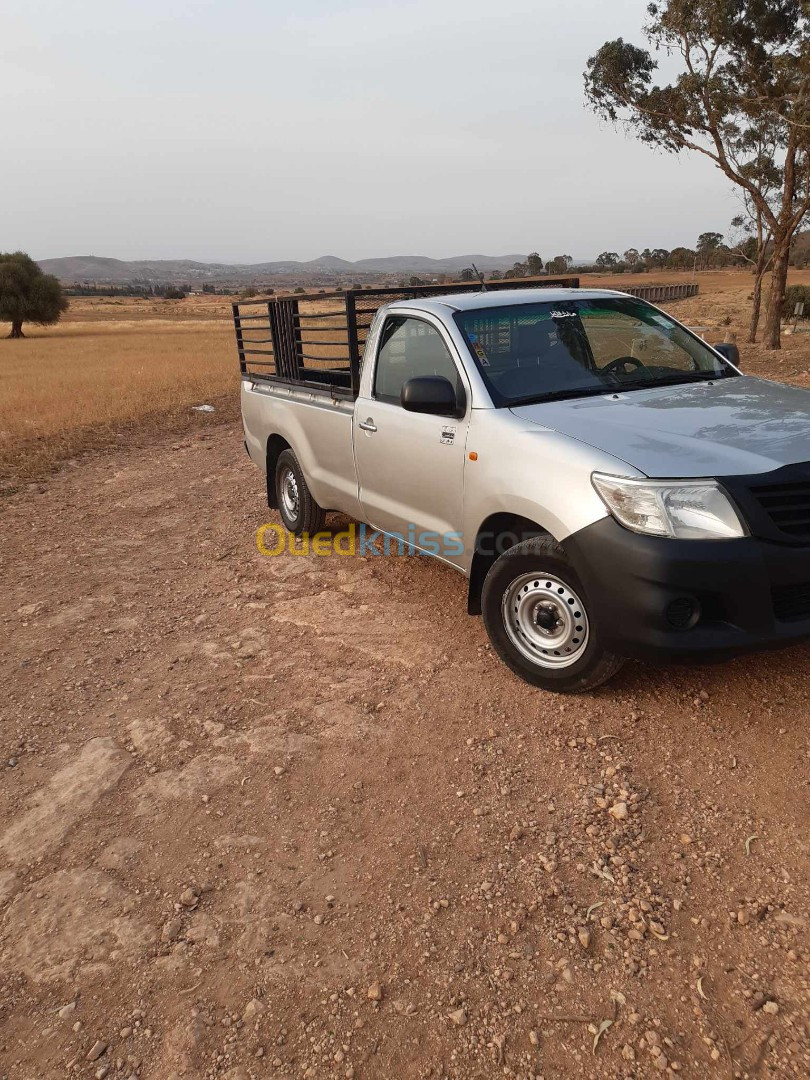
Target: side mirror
(729, 351)
(432, 394)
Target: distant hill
(77, 268)
(94, 268)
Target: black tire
(299, 511)
(535, 612)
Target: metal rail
(654, 293)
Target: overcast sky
(248, 130)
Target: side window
(410, 348)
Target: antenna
(480, 277)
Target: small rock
(67, 1010)
(584, 938)
(459, 1017)
(253, 1009)
(618, 811)
(278, 770)
(375, 992)
(516, 833)
(534, 1038)
(189, 897)
(96, 1050)
(784, 918)
(171, 931)
(125, 1032)
(771, 1007)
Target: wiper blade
(670, 380)
(556, 395)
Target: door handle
(367, 425)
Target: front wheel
(536, 614)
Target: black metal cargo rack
(316, 340)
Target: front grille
(787, 505)
(791, 602)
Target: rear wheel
(536, 614)
(299, 511)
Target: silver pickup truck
(610, 485)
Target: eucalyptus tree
(743, 68)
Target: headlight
(684, 509)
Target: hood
(732, 427)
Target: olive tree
(744, 71)
(27, 294)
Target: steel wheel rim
(288, 492)
(545, 620)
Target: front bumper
(749, 593)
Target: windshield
(575, 348)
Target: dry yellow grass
(107, 369)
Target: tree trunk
(16, 329)
(773, 316)
(757, 305)
(760, 269)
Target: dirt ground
(290, 816)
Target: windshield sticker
(479, 352)
(563, 314)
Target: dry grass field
(109, 368)
(114, 366)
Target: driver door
(410, 466)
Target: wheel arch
(276, 444)
(494, 536)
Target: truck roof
(504, 298)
